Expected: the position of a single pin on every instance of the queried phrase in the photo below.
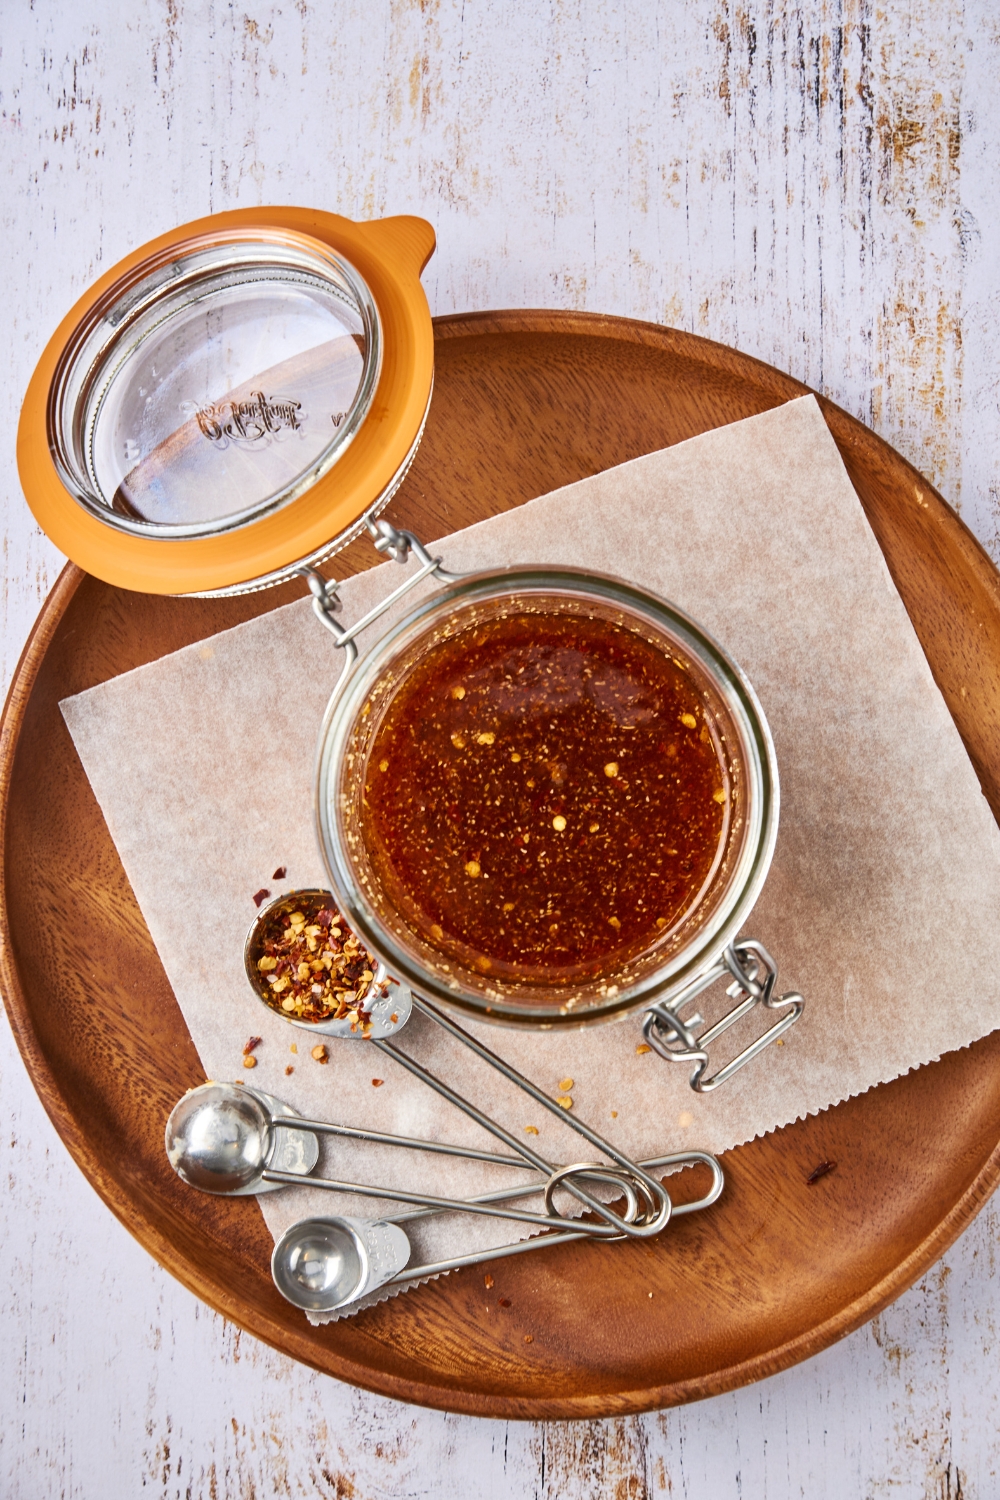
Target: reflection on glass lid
(219, 386)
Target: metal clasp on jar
(754, 973)
(398, 545)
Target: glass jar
(392, 925)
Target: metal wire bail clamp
(754, 973)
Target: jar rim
(760, 814)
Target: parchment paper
(882, 902)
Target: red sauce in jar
(544, 794)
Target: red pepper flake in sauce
(310, 965)
(549, 796)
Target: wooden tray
(524, 402)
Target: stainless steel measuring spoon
(387, 1004)
(319, 1266)
(222, 1139)
(323, 1264)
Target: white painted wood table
(816, 184)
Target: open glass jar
(235, 402)
(639, 962)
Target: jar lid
(233, 399)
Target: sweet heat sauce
(547, 794)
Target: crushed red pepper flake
(310, 965)
(251, 1044)
(260, 897)
(377, 1083)
(488, 1279)
(822, 1170)
(288, 1070)
(280, 873)
(503, 1301)
(320, 1053)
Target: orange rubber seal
(389, 254)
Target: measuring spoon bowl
(219, 1139)
(322, 1264)
(388, 1002)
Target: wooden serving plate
(524, 402)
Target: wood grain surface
(810, 180)
(784, 1264)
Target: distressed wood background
(814, 182)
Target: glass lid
(215, 385)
